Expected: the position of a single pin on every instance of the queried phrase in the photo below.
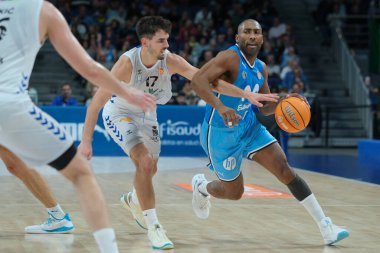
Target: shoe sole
(342, 235)
(126, 206)
(69, 231)
(165, 247)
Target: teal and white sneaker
(127, 203)
(158, 239)
(332, 233)
(52, 226)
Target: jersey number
(151, 81)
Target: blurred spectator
(289, 54)
(277, 29)
(180, 99)
(107, 54)
(207, 55)
(190, 95)
(294, 76)
(93, 90)
(65, 99)
(273, 71)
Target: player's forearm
(90, 122)
(100, 76)
(228, 89)
(204, 91)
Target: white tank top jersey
(155, 80)
(19, 43)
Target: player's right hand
(143, 100)
(229, 116)
(85, 149)
(256, 98)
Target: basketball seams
(285, 115)
(299, 113)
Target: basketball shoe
(127, 203)
(331, 233)
(158, 239)
(201, 202)
(52, 226)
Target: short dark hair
(147, 26)
(247, 20)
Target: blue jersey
(249, 78)
(226, 147)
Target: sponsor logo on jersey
(258, 75)
(244, 75)
(128, 120)
(243, 107)
(229, 163)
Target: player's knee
(285, 174)
(147, 165)
(77, 169)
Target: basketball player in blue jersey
(227, 140)
(30, 135)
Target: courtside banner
(179, 129)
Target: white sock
(150, 217)
(56, 212)
(312, 206)
(135, 199)
(202, 188)
(106, 240)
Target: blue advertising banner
(179, 128)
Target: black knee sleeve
(63, 160)
(299, 188)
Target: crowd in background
(106, 29)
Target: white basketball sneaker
(331, 233)
(127, 203)
(52, 226)
(158, 238)
(201, 202)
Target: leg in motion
(274, 160)
(58, 221)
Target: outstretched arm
(122, 71)
(181, 66)
(54, 26)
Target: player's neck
(147, 59)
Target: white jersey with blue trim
(155, 80)
(19, 43)
(249, 78)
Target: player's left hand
(256, 98)
(298, 96)
(229, 116)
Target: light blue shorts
(226, 147)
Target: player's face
(158, 44)
(250, 38)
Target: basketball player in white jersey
(32, 135)
(148, 68)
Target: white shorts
(30, 133)
(128, 130)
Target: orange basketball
(292, 114)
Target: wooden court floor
(247, 225)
